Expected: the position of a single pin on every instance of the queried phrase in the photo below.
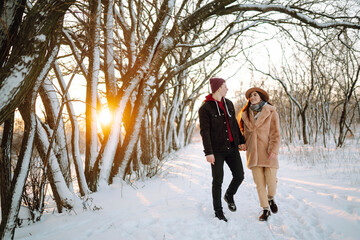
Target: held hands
(211, 159)
(242, 147)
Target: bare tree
(347, 81)
(153, 56)
(319, 77)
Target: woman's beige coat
(262, 137)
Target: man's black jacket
(213, 128)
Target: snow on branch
(295, 13)
(213, 49)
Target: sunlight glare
(105, 116)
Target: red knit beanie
(215, 84)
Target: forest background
(140, 69)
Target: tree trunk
(63, 196)
(304, 127)
(52, 108)
(75, 135)
(8, 223)
(27, 110)
(344, 112)
(11, 15)
(109, 67)
(5, 165)
(181, 128)
(91, 89)
(145, 142)
(131, 140)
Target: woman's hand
(272, 155)
(211, 159)
(242, 147)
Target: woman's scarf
(257, 107)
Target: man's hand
(242, 147)
(211, 159)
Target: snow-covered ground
(318, 198)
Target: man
(222, 141)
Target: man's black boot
(220, 215)
(229, 199)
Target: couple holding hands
(255, 130)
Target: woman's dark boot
(265, 215)
(273, 206)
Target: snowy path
(178, 205)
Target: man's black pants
(233, 160)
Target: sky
(240, 76)
(318, 197)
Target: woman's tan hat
(256, 89)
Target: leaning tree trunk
(5, 165)
(63, 196)
(27, 110)
(28, 54)
(53, 112)
(11, 15)
(140, 72)
(75, 134)
(132, 138)
(8, 222)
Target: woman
(259, 123)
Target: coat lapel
(251, 123)
(264, 114)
